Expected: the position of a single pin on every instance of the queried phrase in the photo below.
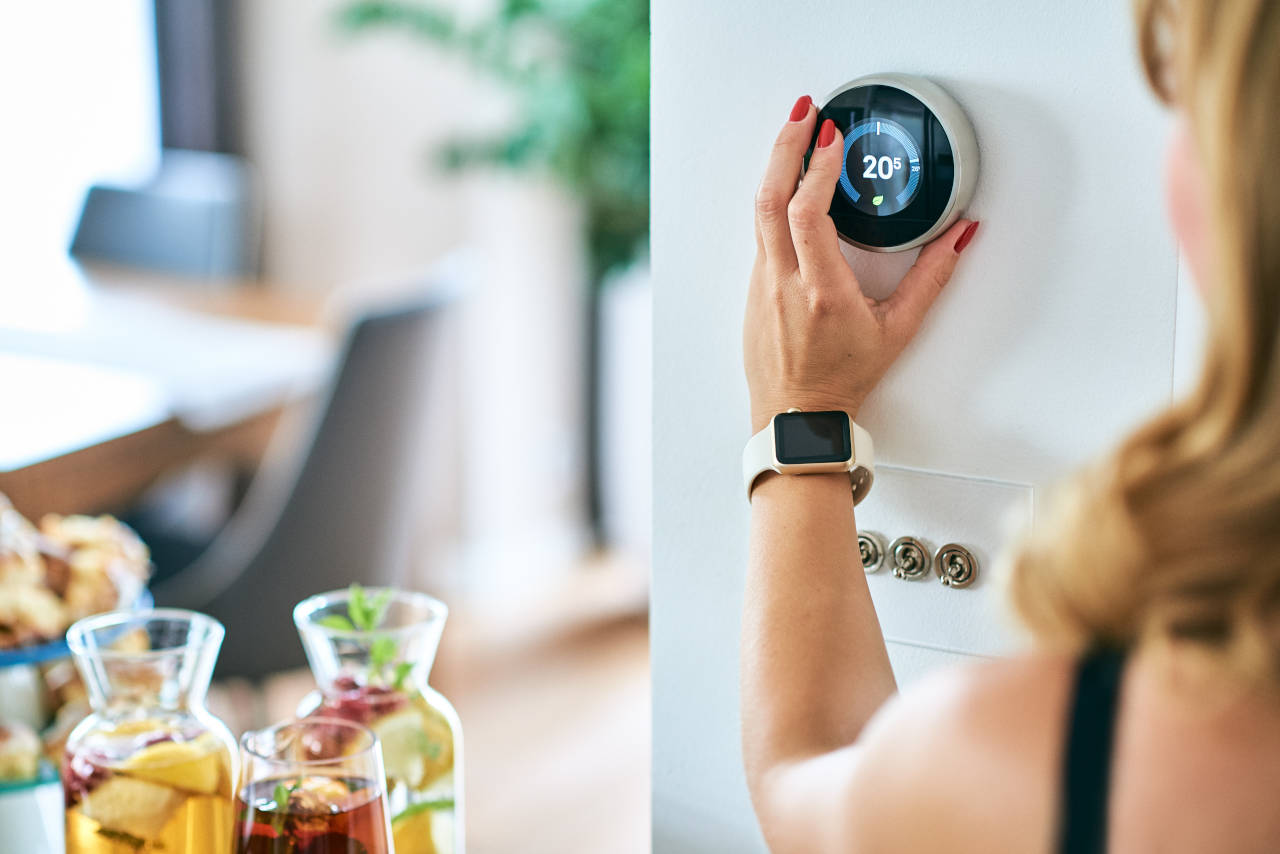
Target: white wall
(1055, 336)
(341, 129)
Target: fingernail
(967, 235)
(827, 134)
(801, 109)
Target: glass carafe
(371, 652)
(150, 770)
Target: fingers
(779, 185)
(906, 308)
(812, 232)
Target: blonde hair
(1177, 532)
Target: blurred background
(319, 291)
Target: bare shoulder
(974, 748)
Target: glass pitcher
(150, 770)
(371, 652)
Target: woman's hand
(812, 339)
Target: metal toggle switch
(872, 551)
(910, 558)
(955, 565)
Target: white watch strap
(760, 456)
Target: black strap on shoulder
(1087, 763)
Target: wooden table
(107, 476)
(126, 439)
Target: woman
(1149, 719)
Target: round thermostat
(910, 161)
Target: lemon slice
(411, 833)
(437, 746)
(402, 737)
(136, 807)
(193, 766)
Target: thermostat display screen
(899, 172)
(812, 437)
(881, 174)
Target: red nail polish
(967, 235)
(801, 109)
(827, 134)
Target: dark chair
(196, 216)
(345, 513)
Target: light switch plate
(938, 509)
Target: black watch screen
(812, 437)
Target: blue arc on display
(911, 149)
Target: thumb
(906, 308)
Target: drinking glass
(313, 786)
(150, 769)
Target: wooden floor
(553, 693)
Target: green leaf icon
(877, 200)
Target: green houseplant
(580, 72)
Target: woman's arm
(814, 665)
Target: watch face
(812, 437)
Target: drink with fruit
(371, 652)
(150, 770)
(312, 787)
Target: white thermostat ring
(910, 165)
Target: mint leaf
(378, 607)
(336, 621)
(365, 612)
(423, 806)
(122, 837)
(358, 608)
(382, 652)
(402, 671)
(281, 812)
(427, 746)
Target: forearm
(814, 664)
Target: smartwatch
(798, 442)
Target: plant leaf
(382, 652)
(423, 806)
(358, 607)
(580, 70)
(378, 607)
(427, 746)
(366, 612)
(281, 813)
(122, 837)
(336, 621)
(403, 669)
